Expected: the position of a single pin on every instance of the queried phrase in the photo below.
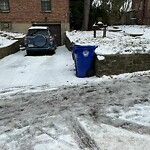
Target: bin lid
(79, 47)
(76, 45)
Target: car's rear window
(34, 32)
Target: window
(46, 5)
(4, 5)
(34, 32)
(6, 25)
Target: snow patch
(100, 57)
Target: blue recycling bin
(84, 60)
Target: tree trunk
(86, 14)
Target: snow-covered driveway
(21, 70)
(44, 106)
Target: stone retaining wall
(5, 51)
(21, 41)
(117, 64)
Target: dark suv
(40, 39)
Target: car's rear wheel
(29, 53)
(52, 52)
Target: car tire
(55, 46)
(52, 52)
(29, 53)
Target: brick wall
(117, 64)
(23, 11)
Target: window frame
(6, 25)
(4, 6)
(45, 7)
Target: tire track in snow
(81, 136)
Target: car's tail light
(50, 37)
